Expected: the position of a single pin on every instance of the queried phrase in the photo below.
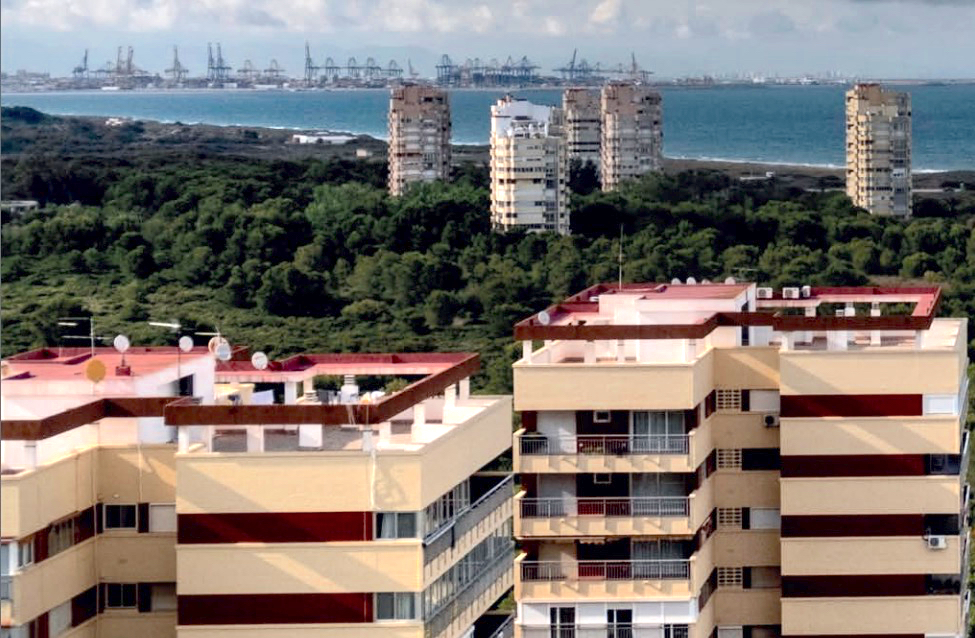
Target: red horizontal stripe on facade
(262, 609)
(274, 527)
(853, 586)
(853, 525)
(857, 636)
(851, 405)
(853, 465)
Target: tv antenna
(72, 322)
(621, 258)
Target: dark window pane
(384, 606)
(407, 525)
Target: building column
(310, 436)
(450, 397)
(526, 351)
(255, 438)
(875, 338)
(290, 392)
(30, 455)
(465, 388)
(183, 439)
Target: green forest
(315, 256)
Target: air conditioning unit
(763, 293)
(806, 292)
(937, 542)
(790, 293)
(771, 420)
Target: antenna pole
(621, 257)
(91, 334)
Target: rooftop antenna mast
(71, 322)
(621, 257)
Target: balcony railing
(618, 630)
(678, 506)
(505, 629)
(493, 572)
(444, 538)
(615, 445)
(678, 569)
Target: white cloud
(606, 13)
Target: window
(396, 606)
(942, 464)
(25, 552)
(562, 622)
(619, 623)
(601, 416)
(728, 400)
(120, 596)
(396, 525)
(60, 536)
(765, 518)
(120, 516)
(730, 576)
(729, 459)
(676, 631)
(602, 479)
(730, 518)
(162, 517)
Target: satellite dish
(730, 281)
(95, 371)
(675, 281)
(544, 318)
(705, 281)
(223, 351)
(121, 343)
(214, 342)
(259, 360)
(186, 343)
(691, 281)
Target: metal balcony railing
(493, 572)
(444, 538)
(618, 630)
(677, 506)
(678, 569)
(614, 445)
(505, 629)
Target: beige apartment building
(728, 461)
(583, 124)
(529, 168)
(632, 132)
(254, 505)
(419, 136)
(878, 149)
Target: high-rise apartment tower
(419, 136)
(878, 149)
(722, 460)
(529, 167)
(632, 132)
(583, 122)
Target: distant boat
(111, 88)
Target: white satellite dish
(544, 318)
(121, 343)
(730, 281)
(705, 281)
(186, 343)
(214, 342)
(675, 281)
(223, 351)
(691, 281)
(259, 360)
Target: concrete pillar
(30, 455)
(310, 436)
(183, 439)
(788, 342)
(838, 339)
(465, 388)
(450, 397)
(255, 438)
(419, 415)
(589, 352)
(807, 336)
(526, 351)
(875, 337)
(620, 351)
(290, 392)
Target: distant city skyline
(864, 38)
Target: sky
(857, 38)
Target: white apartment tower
(529, 166)
(632, 132)
(583, 124)
(419, 136)
(878, 149)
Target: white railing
(678, 506)
(613, 444)
(618, 630)
(678, 569)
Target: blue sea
(774, 124)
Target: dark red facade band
(857, 636)
(853, 465)
(853, 525)
(261, 609)
(274, 527)
(854, 586)
(851, 405)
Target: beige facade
(751, 477)
(878, 149)
(419, 136)
(583, 124)
(529, 168)
(632, 133)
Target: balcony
(490, 503)
(471, 602)
(618, 630)
(594, 579)
(623, 516)
(535, 453)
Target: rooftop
(71, 363)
